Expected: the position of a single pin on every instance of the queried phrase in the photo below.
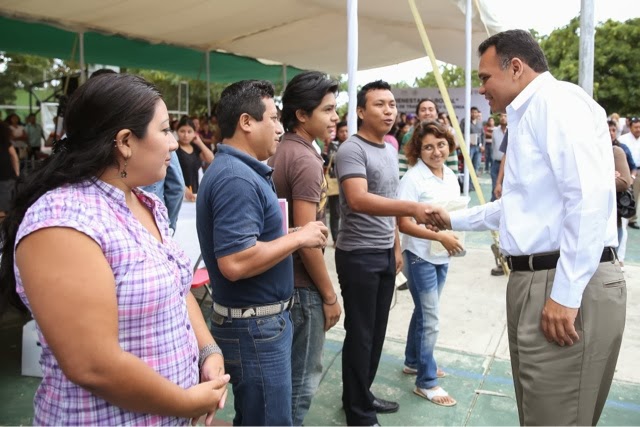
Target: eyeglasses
(634, 120)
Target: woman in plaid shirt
(91, 257)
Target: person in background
(566, 296)
(428, 180)
(633, 171)
(9, 170)
(342, 133)
(18, 134)
(496, 155)
(426, 109)
(488, 139)
(206, 134)
(622, 172)
(477, 137)
(35, 135)
(192, 152)
(403, 129)
(97, 268)
(308, 113)
(632, 141)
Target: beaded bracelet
(207, 351)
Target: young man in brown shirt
(308, 112)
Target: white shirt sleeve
(578, 160)
(477, 218)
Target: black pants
(367, 278)
(334, 216)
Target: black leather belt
(537, 262)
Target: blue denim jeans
(476, 156)
(306, 352)
(425, 284)
(257, 356)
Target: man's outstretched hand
(439, 219)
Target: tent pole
(467, 95)
(208, 66)
(587, 43)
(451, 111)
(352, 63)
(83, 76)
(284, 77)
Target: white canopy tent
(308, 34)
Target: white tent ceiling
(309, 34)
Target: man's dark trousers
(367, 278)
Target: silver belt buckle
(531, 263)
(250, 312)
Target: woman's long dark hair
(96, 112)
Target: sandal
(430, 394)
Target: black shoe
(634, 225)
(497, 271)
(384, 406)
(403, 287)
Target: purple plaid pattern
(152, 281)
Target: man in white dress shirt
(566, 296)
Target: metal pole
(208, 67)
(467, 96)
(352, 63)
(83, 76)
(587, 45)
(284, 77)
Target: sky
(542, 15)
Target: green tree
(19, 71)
(616, 73)
(452, 75)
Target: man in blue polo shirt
(248, 255)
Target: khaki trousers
(565, 385)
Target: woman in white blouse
(428, 181)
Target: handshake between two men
(435, 218)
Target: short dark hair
(305, 92)
(102, 71)
(516, 44)
(239, 98)
(362, 93)
(426, 100)
(475, 109)
(612, 123)
(341, 125)
(186, 121)
(96, 112)
(431, 127)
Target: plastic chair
(200, 279)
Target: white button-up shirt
(419, 184)
(558, 192)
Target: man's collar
(255, 164)
(530, 89)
